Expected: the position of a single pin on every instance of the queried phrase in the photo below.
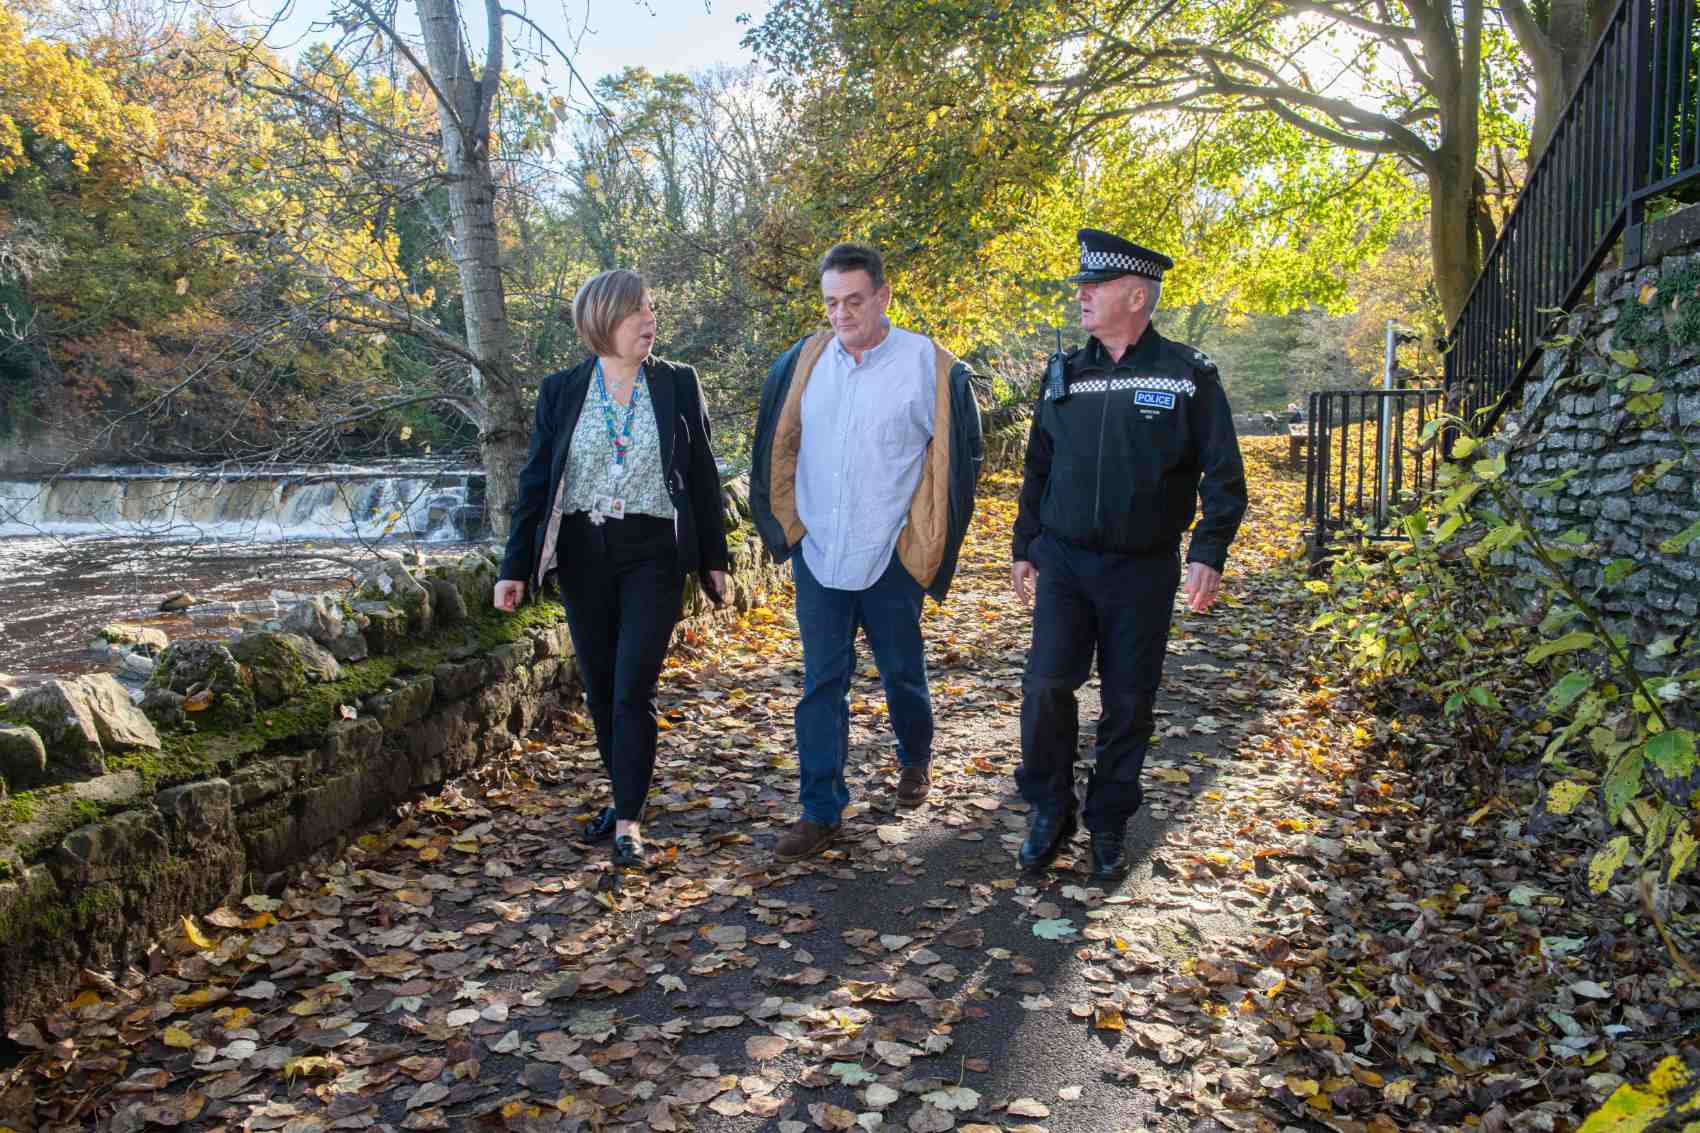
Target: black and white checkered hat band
(1116, 261)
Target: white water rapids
(101, 545)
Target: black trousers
(1119, 607)
(624, 592)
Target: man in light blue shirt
(866, 458)
(867, 417)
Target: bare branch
(443, 102)
(490, 82)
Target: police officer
(1130, 431)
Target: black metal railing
(1630, 132)
(1366, 462)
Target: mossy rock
(23, 757)
(191, 667)
(121, 725)
(475, 577)
(391, 582)
(385, 629)
(275, 663)
(62, 717)
(448, 604)
(318, 617)
(153, 641)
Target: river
(109, 544)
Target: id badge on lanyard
(607, 507)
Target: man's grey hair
(855, 257)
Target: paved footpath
(472, 966)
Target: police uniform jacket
(1118, 464)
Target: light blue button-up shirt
(865, 432)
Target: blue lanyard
(621, 439)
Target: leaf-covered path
(470, 963)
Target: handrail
(1629, 131)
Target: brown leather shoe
(913, 784)
(805, 839)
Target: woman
(621, 495)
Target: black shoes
(1047, 834)
(600, 828)
(1109, 855)
(629, 853)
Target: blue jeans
(889, 612)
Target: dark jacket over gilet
(944, 500)
(693, 481)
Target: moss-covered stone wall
(91, 870)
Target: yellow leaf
(1303, 1087)
(178, 1037)
(1606, 863)
(87, 999)
(1630, 1110)
(194, 935)
(1649, 292)
(1564, 796)
(1682, 847)
(309, 1065)
(466, 846)
(190, 1000)
(198, 701)
(183, 285)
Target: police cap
(1103, 256)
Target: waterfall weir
(409, 500)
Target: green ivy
(1561, 688)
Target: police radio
(1056, 374)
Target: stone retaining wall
(1615, 406)
(99, 866)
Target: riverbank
(57, 591)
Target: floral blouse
(590, 456)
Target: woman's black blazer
(693, 481)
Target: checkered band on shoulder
(1117, 385)
(1117, 261)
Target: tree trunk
(1453, 235)
(1558, 54)
(464, 107)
